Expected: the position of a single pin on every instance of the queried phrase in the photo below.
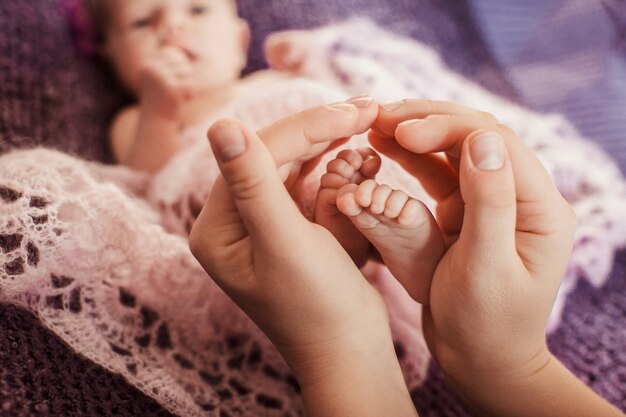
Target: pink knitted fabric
(110, 273)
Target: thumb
(488, 190)
(254, 183)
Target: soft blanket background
(50, 96)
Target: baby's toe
(413, 213)
(379, 199)
(346, 200)
(371, 162)
(395, 204)
(340, 167)
(352, 157)
(331, 180)
(364, 193)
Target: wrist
(354, 376)
(510, 391)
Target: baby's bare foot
(349, 167)
(399, 227)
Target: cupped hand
(508, 235)
(289, 275)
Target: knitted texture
(80, 253)
(39, 376)
(49, 95)
(567, 56)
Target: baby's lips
(181, 50)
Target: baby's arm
(145, 137)
(142, 140)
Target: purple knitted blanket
(51, 96)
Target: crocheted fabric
(79, 251)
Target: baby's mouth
(189, 53)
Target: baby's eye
(199, 10)
(142, 23)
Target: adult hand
(508, 234)
(291, 276)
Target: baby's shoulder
(126, 115)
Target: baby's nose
(173, 27)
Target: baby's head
(208, 32)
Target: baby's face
(208, 32)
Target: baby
(182, 60)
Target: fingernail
(342, 106)
(393, 106)
(360, 101)
(410, 123)
(487, 151)
(228, 142)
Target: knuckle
(497, 198)
(246, 188)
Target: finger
(255, 185)
(171, 53)
(390, 115)
(307, 134)
(449, 214)
(488, 189)
(181, 71)
(446, 133)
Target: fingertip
(486, 151)
(227, 140)
(414, 135)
